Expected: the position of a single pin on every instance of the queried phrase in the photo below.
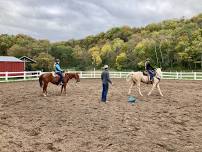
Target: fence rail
(165, 75)
(19, 76)
(33, 75)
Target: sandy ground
(78, 122)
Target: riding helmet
(57, 60)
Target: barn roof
(27, 59)
(9, 59)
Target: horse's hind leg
(45, 89)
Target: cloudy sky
(66, 19)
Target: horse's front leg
(138, 86)
(65, 86)
(131, 86)
(153, 86)
(159, 89)
(61, 89)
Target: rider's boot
(61, 83)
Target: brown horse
(45, 78)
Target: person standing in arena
(105, 83)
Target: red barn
(11, 64)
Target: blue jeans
(61, 77)
(104, 92)
(151, 74)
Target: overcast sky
(74, 19)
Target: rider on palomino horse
(58, 71)
(149, 69)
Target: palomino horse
(137, 77)
(45, 78)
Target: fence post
(39, 73)
(6, 74)
(120, 75)
(177, 75)
(94, 73)
(24, 75)
(81, 75)
(194, 75)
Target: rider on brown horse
(149, 69)
(59, 71)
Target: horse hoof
(44, 95)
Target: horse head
(77, 77)
(73, 75)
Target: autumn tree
(44, 62)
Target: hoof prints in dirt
(78, 122)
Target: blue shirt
(57, 68)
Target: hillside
(171, 44)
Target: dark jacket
(105, 77)
(148, 66)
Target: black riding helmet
(148, 59)
(57, 60)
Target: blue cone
(131, 99)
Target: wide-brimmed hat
(105, 67)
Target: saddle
(145, 73)
(56, 76)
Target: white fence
(33, 75)
(97, 74)
(165, 75)
(19, 76)
(182, 75)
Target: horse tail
(41, 81)
(129, 77)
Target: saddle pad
(55, 75)
(145, 73)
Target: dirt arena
(78, 122)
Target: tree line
(174, 44)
